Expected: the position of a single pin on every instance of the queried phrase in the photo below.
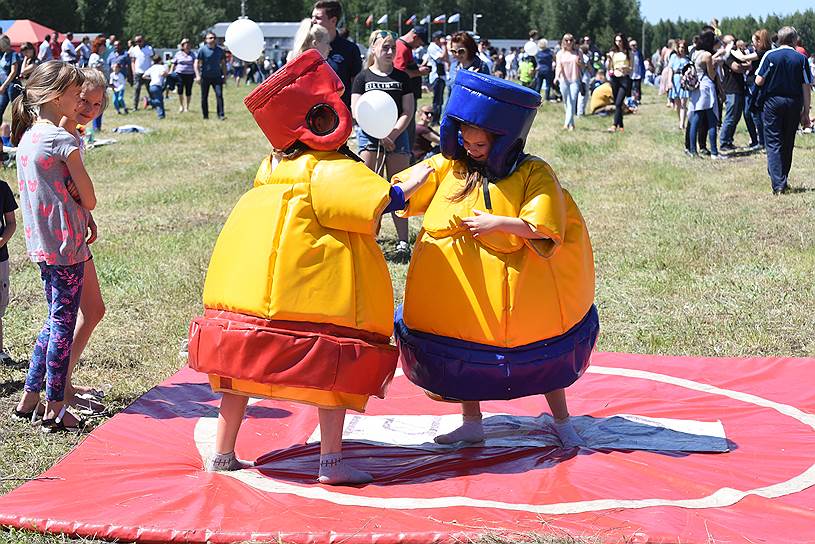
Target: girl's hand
(388, 144)
(482, 223)
(93, 232)
(420, 173)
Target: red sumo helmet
(302, 101)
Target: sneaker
(705, 152)
(718, 157)
(402, 253)
(727, 148)
(754, 147)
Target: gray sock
(471, 431)
(224, 461)
(334, 471)
(568, 434)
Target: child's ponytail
(47, 82)
(22, 117)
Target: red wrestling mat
(138, 478)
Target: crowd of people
(124, 64)
(64, 86)
(716, 80)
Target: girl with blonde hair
(392, 152)
(568, 66)
(310, 36)
(49, 158)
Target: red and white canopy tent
(25, 30)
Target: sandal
(87, 405)
(32, 416)
(57, 425)
(91, 394)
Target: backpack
(689, 80)
(526, 71)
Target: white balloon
(376, 113)
(244, 38)
(531, 48)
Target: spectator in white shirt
(68, 53)
(118, 81)
(140, 60)
(45, 53)
(83, 52)
(156, 74)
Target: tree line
(166, 21)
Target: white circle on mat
(205, 433)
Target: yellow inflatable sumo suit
(298, 300)
(497, 316)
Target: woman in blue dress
(677, 94)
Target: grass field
(693, 257)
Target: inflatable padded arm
(544, 208)
(264, 172)
(347, 195)
(419, 201)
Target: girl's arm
(484, 223)
(12, 75)
(418, 175)
(711, 70)
(11, 228)
(354, 100)
(87, 197)
(404, 119)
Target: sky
(654, 10)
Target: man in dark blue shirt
(210, 71)
(119, 56)
(785, 80)
(344, 56)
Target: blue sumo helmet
(495, 105)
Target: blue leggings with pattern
(52, 350)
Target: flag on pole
(441, 19)
(425, 21)
(456, 17)
(411, 20)
(370, 20)
(383, 20)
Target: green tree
(165, 22)
(61, 16)
(103, 16)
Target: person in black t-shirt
(8, 225)
(394, 150)
(733, 85)
(344, 56)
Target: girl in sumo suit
(298, 300)
(500, 290)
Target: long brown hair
(46, 83)
(762, 36)
(476, 176)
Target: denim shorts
(369, 143)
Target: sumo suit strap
(485, 182)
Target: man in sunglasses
(405, 61)
(344, 56)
